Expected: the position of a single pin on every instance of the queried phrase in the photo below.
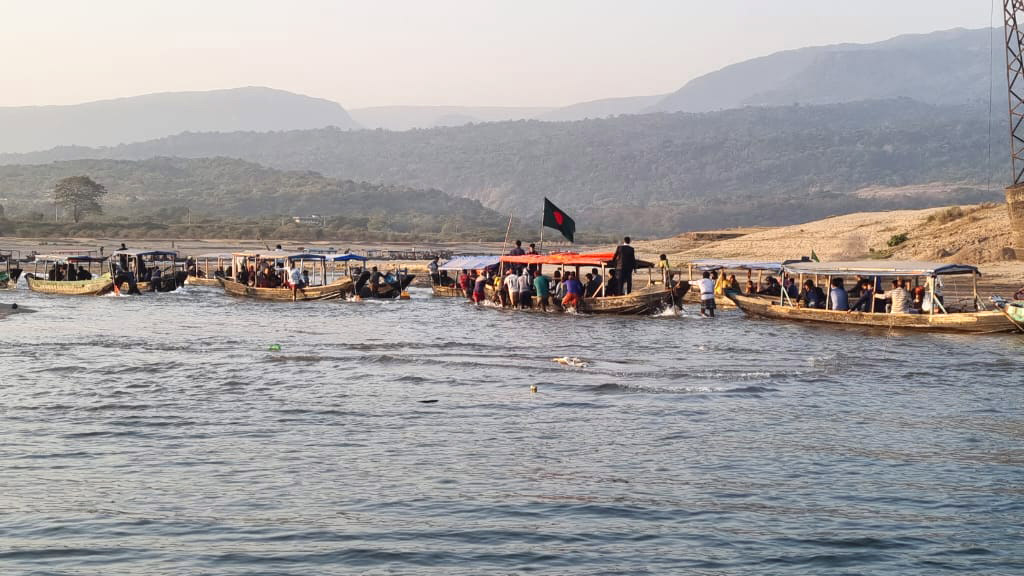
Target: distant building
(313, 220)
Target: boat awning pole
(977, 301)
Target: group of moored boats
(266, 275)
(263, 275)
(942, 312)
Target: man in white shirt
(707, 295)
(512, 287)
(523, 285)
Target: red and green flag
(555, 218)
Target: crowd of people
(268, 276)
(68, 273)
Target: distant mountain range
(139, 118)
(651, 173)
(947, 67)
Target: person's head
(436, 258)
(593, 271)
(612, 273)
(663, 257)
(732, 278)
(867, 284)
(808, 283)
(278, 247)
(558, 274)
(532, 246)
(519, 243)
(123, 247)
(626, 240)
(895, 282)
(305, 272)
(374, 269)
(589, 277)
(706, 274)
(837, 282)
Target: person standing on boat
(534, 268)
(707, 295)
(664, 267)
(625, 263)
(433, 269)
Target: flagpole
(501, 267)
(541, 230)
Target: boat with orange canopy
(646, 300)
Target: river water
(162, 435)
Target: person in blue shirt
(812, 296)
(838, 299)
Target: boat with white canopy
(446, 285)
(69, 275)
(949, 297)
(259, 274)
(209, 268)
(723, 265)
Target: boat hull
(94, 287)
(644, 301)
(984, 322)
(447, 291)
(333, 291)
(196, 281)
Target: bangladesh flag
(555, 218)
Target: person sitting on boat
(543, 289)
(771, 287)
(305, 277)
(573, 291)
(791, 288)
(84, 274)
(751, 289)
(866, 302)
(612, 285)
(838, 298)
(899, 297)
(707, 295)
(72, 273)
(591, 287)
(525, 283)
(597, 276)
(812, 296)
(732, 284)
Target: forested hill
(169, 189)
(655, 173)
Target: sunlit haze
(441, 52)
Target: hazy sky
(465, 52)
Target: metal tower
(1013, 15)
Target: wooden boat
(94, 287)
(457, 264)
(722, 266)
(338, 289)
(9, 275)
(128, 266)
(45, 266)
(206, 269)
(937, 319)
(647, 300)
(323, 285)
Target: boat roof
(569, 259)
(735, 264)
(879, 268)
(217, 255)
(68, 258)
(135, 253)
(346, 257)
(272, 255)
(470, 263)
